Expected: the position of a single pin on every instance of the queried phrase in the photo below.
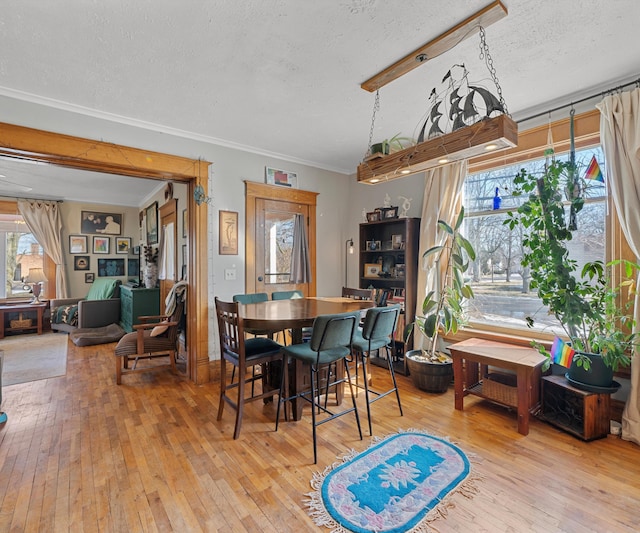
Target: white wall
(341, 199)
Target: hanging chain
(486, 56)
(376, 108)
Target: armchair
(100, 308)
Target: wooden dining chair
(376, 335)
(242, 353)
(330, 342)
(357, 294)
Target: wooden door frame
(85, 154)
(255, 190)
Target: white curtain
(44, 221)
(441, 201)
(620, 137)
(167, 259)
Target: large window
(21, 251)
(503, 298)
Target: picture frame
(274, 176)
(110, 267)
(228, 233)
(185, 223)
(81, 262)
(77, 244)
(89, 277)
(184, 254)
(123, 245)
(373, 246)
(373, 216)
(100, 245)
(371, 270)
(389, 212)
(151, 216)
(94, 222)
(396, 242)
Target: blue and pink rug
(399, 484)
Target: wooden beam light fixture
(441, 44)
(478, 139)
(485, 134)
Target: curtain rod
(601, 93)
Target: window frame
(49, 287)
(531, 145)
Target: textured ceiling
(282, 77)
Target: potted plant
(443, 308)
(394, 144)
(586, 304)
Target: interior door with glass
(275, 222)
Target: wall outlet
(229, 274)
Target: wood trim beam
(86, 154)
(441, 44)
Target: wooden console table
(478, 354)
(22, 308)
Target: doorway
(85, 154)
(270, 212)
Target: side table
(471, 359)
(22, 308)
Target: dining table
(295, 314)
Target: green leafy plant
(394, 144)
(443, 309)
(585, 303)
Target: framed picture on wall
(77, 244)
(123, 245)
(100, 245)
(89, 277)
(151, 214)
(281, 177)
(110, 267)
(228, 233)
(106, 223)
(81, 262)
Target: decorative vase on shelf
(150, 275)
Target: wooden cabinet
(135, 303)
(579, 412)
(389, 261)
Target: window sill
(509, 338)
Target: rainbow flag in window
(594, 172)
(561, 353)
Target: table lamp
(35, 278)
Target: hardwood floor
(80, 453)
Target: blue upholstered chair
(242, 353)
(254, 298)
(330, 342)
(291, 295)
(286, 295)
(376, 335)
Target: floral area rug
(401, 483)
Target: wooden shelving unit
(395, 249)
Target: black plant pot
(427, 376)
(599, 376)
